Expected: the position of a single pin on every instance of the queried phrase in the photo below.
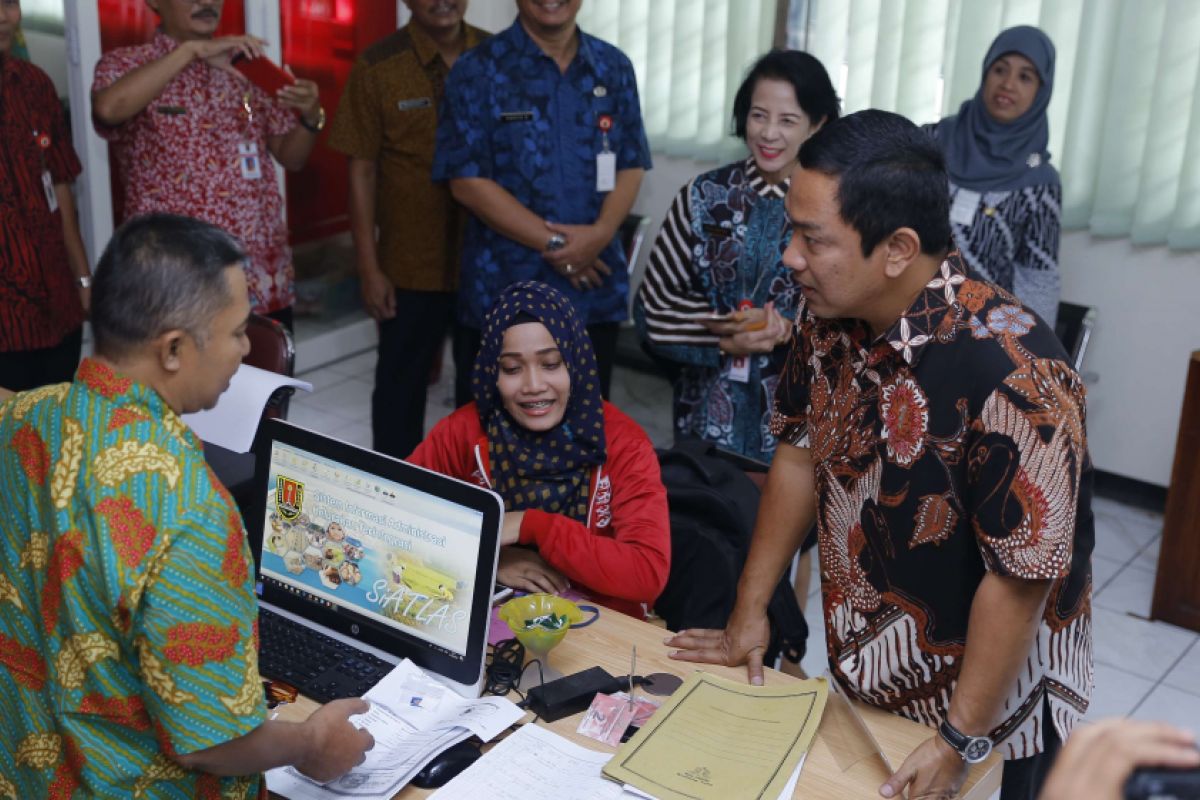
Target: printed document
(413, 718)
(718, 738)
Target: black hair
(160, 272)
(809, 80)
(890, 175)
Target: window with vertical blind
(1124, 117)
(689, 56)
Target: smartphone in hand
(263, 73)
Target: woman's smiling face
(1010, 86)
(776, 126)
(532, 378)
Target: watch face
(977, 750)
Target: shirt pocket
(410, 124)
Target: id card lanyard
(249, 160)
(43, 143)
(606, 159)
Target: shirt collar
(138, 398)
(424, 46)
(427, 49)
(761, 186)
(529, 47)
(162, 42)
(917, 327)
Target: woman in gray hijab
(1005, 197)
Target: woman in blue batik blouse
(716, 301)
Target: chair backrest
(1074, 329)
(633, 234)
(272, 349)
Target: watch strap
(964, 744)
(320, 124)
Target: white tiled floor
(1149, 670)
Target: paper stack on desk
(413, 718)
(717, 738)
(537, 764)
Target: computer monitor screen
(381, 550)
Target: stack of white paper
(536, 764)
(413, 718)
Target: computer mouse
(446, 764)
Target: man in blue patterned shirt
(541, 138)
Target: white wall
(48, 51)
(1148, 324)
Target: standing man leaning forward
(128, 629)
(386, 124)
(930, 424)
(541, 138)
(191, 136)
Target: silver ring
(585, 283)
(570, 269)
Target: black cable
(504, 668)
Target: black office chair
(1074, 329)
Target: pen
(632, 671)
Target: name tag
(717, 231)
(606, 171)
(172, 111)
(738, 369)
(248, 161)
(516, 116)
(48, 188)
(415, 103)
(962, 210)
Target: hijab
(982, 153)
(548, 470)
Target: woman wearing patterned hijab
(1005, 197)
(584, 502)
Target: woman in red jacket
(584, 501)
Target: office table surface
(607, 643)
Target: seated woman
(583, 498)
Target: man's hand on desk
(934, 771)
(335, 745)
(743, 641)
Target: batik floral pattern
(952, 445)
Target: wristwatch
(320, 124)
(84, 281)
(972, 749)
(556, 242)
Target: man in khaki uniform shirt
(386, 124)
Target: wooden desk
(606, 643)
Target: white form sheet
(534, 763)
(413, 718)
(234, 420)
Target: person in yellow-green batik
(127, 612)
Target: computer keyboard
(319, 666)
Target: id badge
(48, 188)
(606, 171)
(249, 161)
(739, 369)
(962, 210)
